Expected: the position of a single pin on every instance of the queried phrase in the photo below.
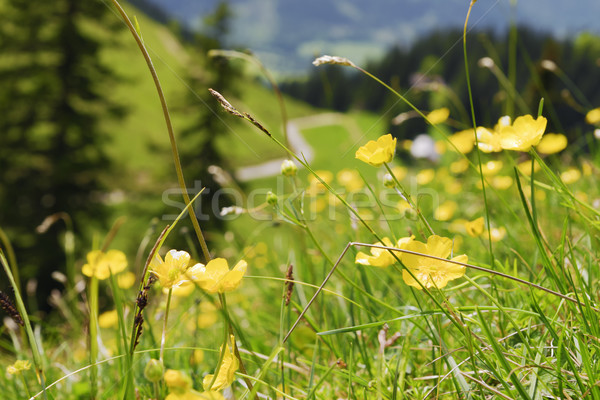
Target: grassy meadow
(461, 264)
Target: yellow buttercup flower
(523, 133)
(491, 167)
(463, 141)
(425, 176)
(497, 234)
(586, 168)
(108, 319)
(325, 175)
(441, 147)
(216, 276)
(571, 175)
(399, 172)
(552, 143)
(488, 141)
(226, 371)
(350, 179)
(438, 116)
(126, 280)
(445, 211)
(459, 166)
(382, 257)
(197, 357)
(102, 265)
(180, 388)
(593, 116)
(475, 228)
(378, 152)
(177, 381)
(315, 186)
(428, 271)
(525, 167)
(379, 257)
(172, 272)
(453, 186)
(502, 182)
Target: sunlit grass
(313, 317)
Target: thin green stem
(164, 331)
(93, 336)
(156, 391)
(25, 385)
(409, 199)
(167, 117)
(512, 55)
(12, 259)
(483, 189)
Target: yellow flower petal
(491, 167)
(523, 133)
(593, 116)
(425, 176)
(102, 265)
(126, 280)
(436, 276)
(464, 141)
(108, 319)
(459, 166)
(226, 371)
(487, 140)
(216, 277)
(571, 175)
(475, 228)
(438, 116)
(445, 211)
(502, 182)
(428, 271)
(498, 234)
(172, 271)
(552, 143)
(350, 179)
(525, 167)
(177, 381)
(379, 257)
(378, 152)
(399, 172)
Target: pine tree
(52, 155)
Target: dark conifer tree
(52, 146)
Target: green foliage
(523, 322)
(199, 138)
(52, 149)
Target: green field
(468, 275)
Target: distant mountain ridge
(288, 34)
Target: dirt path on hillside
(298, 144)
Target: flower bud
(272, 199)
(288, 168)
(154, 370)
(177, 381)
(388, 181)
